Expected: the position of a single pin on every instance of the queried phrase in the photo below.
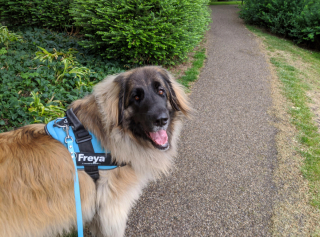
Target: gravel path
(222, 184)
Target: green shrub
(47, 13)
(298, 19)
(281, 14)
(278, 15)
(252, 11)
(144, 32)
(308, 23)
(42, 75)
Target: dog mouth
(159, 139)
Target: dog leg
(117, 191)
(104, 226)
(110, 219)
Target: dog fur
(36, 171)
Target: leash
(69, 141)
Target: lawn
(298, 71)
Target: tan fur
(36, 171)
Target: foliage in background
(42, 75)
(308, 23)
(142, 32)
(298, 19)
(6, 37)
(49, 112)
(68, 65)
(136, 32)
(44, 13)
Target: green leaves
(47, 13)
(47, 112)
(3, 51)
(37, 83)
(6, 37)
(297, 19)
(142, 32)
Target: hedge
(133, 31)
(142, 32)
(41, 13)
(297, 19)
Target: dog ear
(172, 96)
(122, 85)
(177, 97)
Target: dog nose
(161, 120)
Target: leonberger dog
(137, 115)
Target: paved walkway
(223, 182)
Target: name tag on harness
(93, 159)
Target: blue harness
(58, 132)
(61, 129)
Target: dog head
(149, 101)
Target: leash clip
(66, 129)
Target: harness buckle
(85, 138)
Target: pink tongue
(160, 137)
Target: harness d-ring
(58, 125)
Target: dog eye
(161, 92)
(137, 98)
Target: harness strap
(83, 139)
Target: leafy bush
(37, 83)
(6, 37)
(308, 23)
(299, 19)
(144, 32)
(253, 10)
(47, 13)
(49, 112)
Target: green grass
(298, 70)
(226, 3)
(192, 73)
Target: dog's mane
(99, 113)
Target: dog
(137, 115)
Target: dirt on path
(223, 181)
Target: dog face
(147, 105)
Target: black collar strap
(83, 137)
